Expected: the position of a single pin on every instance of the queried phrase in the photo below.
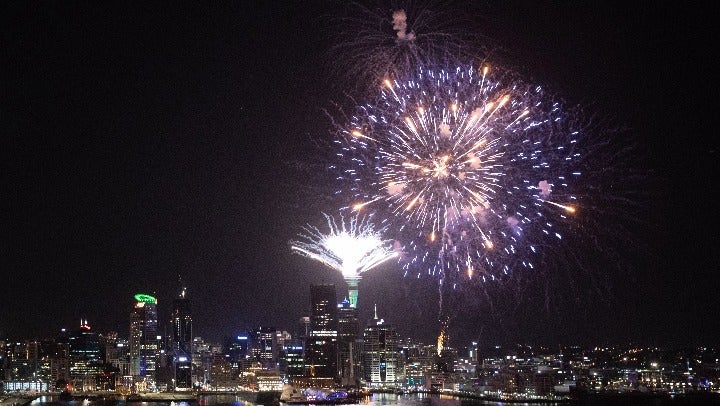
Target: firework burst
(352, 248)
(477, 167)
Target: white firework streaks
(480, 168)
(351, 247)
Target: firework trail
(377, 39)
(351, 248)
(477, 170)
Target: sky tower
(352, 282)
(351, 248)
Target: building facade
(380, 355)
(263, 347)
(86, 362)
(321, 345)
(348, 350)
(144, 342)
(182, 342)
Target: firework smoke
(377, 39)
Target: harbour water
(381, 399)
(376, 399)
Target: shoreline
(710, 397)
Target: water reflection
(377, 399)
(224, 399)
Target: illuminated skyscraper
(60, 363)
(117, 351)
(85, 359)
(182, 341)
(348, 354)
(292, 361)
(144, 348)
(321, 348)
(238, 351)
(323, 310)
(263, 348)
(380, 361)
(182, 322)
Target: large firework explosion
(476, 168)
(351, 247)
(510, 208)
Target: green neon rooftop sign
(141, 297)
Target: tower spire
(183, 289)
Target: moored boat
(291, 395)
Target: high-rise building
(60, 360)
(280, 337)
(22, 361)
(182, 322)
(85, 357)
(46, 351)
(238, 351)
(118, 358)
(263, 347)
(182, 341)
(420, 363)
(144, 348)
(109, 342)
(292, 361)
(348, 354)
(321, 347)
(222, 374)
(380, 355)
(202, 360)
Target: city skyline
(146, 144)
(87, 362)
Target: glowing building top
(144, 298)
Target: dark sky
(147, 141)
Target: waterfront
(378, 399)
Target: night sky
(147, 142)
